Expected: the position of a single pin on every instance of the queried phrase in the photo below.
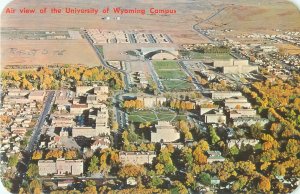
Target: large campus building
(165, 132)
(235, 66)
(136, 158)
(60, 167)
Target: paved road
(38, 128)
(105, 64)
(155, 76)
(197, 28)
(189, 73)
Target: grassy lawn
(152, 116)
(177, 85)
(195, 55)
(168, 70)
(165, 65)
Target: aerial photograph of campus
(155, 96)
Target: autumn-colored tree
(70, 154)
(264, 184)
(131, 171)
(37, 155)
(199, 156)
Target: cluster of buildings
(115, 37)
(234, 109)
(79, 114)
(139, 78)
(18, 113)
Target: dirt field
(15, 52)
(256, 15)
(289, 48)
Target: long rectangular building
(60, 167)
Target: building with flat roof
(136, 158)
(151, 101)
(215, 116)
(37, 95)
(165, 132)
(234, 66)
(221, 95)
(60, 167)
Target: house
(60, 167)
(100, 142)
(131, 181)
(165, 132)
(215, 116)
(136, 158)
(215, 156)
(37, 95)
(242, 141)
(215, 180)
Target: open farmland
(47, 52)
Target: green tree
(155, 182)
(33, 170)
(205, 178)
(94, 165)
(13, 160)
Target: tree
(293, 147)
(178, 187)
(246, 166)
(7, 184)
(90, 183)
(35, 184)
(13, 160)
(33, 170)
(131, 171)
(213, 135)
(264, 184)
(115, 126)
(199, 156)
(155, 182)
(93, 167)
(159, 169)
(70, 154)
(203, 145)
(234, 150)
(189, 179)
(90, 190)
(205, 178)
(37, 155)
(240, 183)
